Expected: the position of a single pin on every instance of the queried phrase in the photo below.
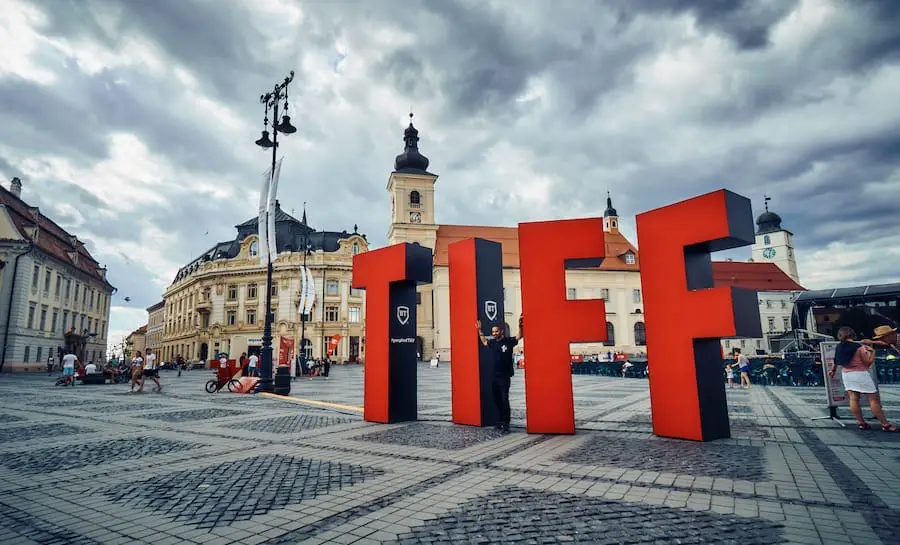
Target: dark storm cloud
(213, 39)
(746, 22)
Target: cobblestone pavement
(98, 465)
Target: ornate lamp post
(271, 101)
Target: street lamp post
(270, 101)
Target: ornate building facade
(616, 280)
(156, 321)
(50, 286)
(217, 302)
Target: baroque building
(616, 280)
(216, 303)
(136, 341)
(156, 317)
(53, 291)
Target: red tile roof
(616, 246)
(51, 238)
(753, 276)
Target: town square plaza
(97, 464)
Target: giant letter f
(685, 316)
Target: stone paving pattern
(100, 465)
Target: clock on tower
(415, 217)
(769, 253)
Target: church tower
(412, 220)
(610, 216)
(774, 244)
(412, 195)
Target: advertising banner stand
(834, 386)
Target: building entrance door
(354, 349)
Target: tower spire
(411, 160)
(766, 200)
(303, 221)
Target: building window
(31, 310)
(786, 322)
(232, 317)
(355, 248)
(43, 323)
(418, 298)
(103, 330)
(771, 324)
(75, 296)
(232, 292)
(414, 198)
(604, 294)
(251, 291)
(81, 324)
(727, 345)
(354, 315)
(758, 343)
(768, 303)
(40, 352)
(27, 354)
(783, 304)
(629, 257)
(331, 287)
(58, 285)
(331, 313)
(356, 292)
(90, 326)
(54, 320)
(640, 334)
(610, 335)
(254, 248)
(91, 304)
(48, 277)
(68, 288)
(743, 343)
(274, 292)
(251, 317)
(767, 240)
(571, 294)
(636, 295)
(36, 277)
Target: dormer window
(355, 248)
(254, 248)
(629, 258)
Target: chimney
(15, 187)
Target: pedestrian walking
(252, 365)
(503, 370)
(50, 365)
(743, 364)
(855, 359)
(68, 362)
(150, 371)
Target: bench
(95, 378)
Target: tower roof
(411, 160)
(768, 222)
(610, 211)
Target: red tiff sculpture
(686, 388)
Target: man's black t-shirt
(502, 350)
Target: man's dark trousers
(500, 387)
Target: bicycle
(215, 385)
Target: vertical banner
(389, 276)
(272, 241)
(333, 344)
(551, 321)
(476, 293)
(286, 351)
(262, 228)
(687, 393)
(835, 394)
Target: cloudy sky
(132, 123)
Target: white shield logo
(402, 315)
(490, 308)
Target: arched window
(640, 335)
(767, 240)
(414, 198)
(254, 248)
(610, 335)
(355, 248)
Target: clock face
(769, 253)
(415, 217)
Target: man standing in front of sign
(502, 355)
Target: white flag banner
(262, 226)
(273, 193)
(310, 291)
(301, 304)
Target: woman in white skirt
(855, 360)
